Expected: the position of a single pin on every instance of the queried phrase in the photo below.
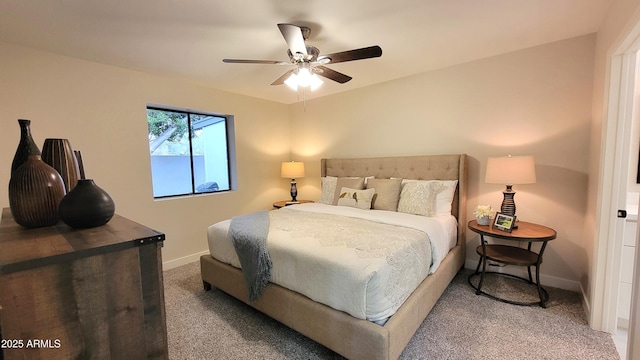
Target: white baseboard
(545, 280)
(183, 260)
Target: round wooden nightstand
(512, 255)
(282, 203)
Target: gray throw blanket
(249, 234)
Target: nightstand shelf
(509, 255)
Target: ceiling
(189, 38)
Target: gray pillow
(387, 193)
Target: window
(191, 153)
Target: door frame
(613, 180)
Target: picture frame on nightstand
(504, 222)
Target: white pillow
(328, 189)
(360, 199)
(427, 197)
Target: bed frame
(350, 337)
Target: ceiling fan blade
(350, 55)
(281, 79)
(332, 74)
(267, 62)
(293, 36)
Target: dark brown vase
(26, 146)
(60, 156)
(35, 191)
(80, 163)
(86, 205)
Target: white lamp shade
(292, 169)
(510, 170)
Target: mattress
(362, 262)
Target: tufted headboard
(420, 167)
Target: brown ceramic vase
(35, 191)
(60, 156)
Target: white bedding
(372, 277)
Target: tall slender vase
(60, 156)
(26, 146)
(35, 191)
(86, 205)
(80, 163)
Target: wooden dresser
(81, 294)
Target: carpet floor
(462, 325)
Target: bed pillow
(349, 182)
(387, 193)
(428, 198)
(367, 178)
(357, 198)
(328, 189)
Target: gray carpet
(213, 325)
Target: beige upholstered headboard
(421, 167)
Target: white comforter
(363, 262)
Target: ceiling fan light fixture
(303, 78)
(308, 60)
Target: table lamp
(292, 170)
(510, 170)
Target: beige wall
(535, 101)
(531, 102)
(101, 110)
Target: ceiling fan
(307, 60)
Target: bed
(348, 335)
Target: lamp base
(508, 206)
(294, 190)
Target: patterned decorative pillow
(357, 198)
(387, 193)
(428, 198)
(328, 184)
